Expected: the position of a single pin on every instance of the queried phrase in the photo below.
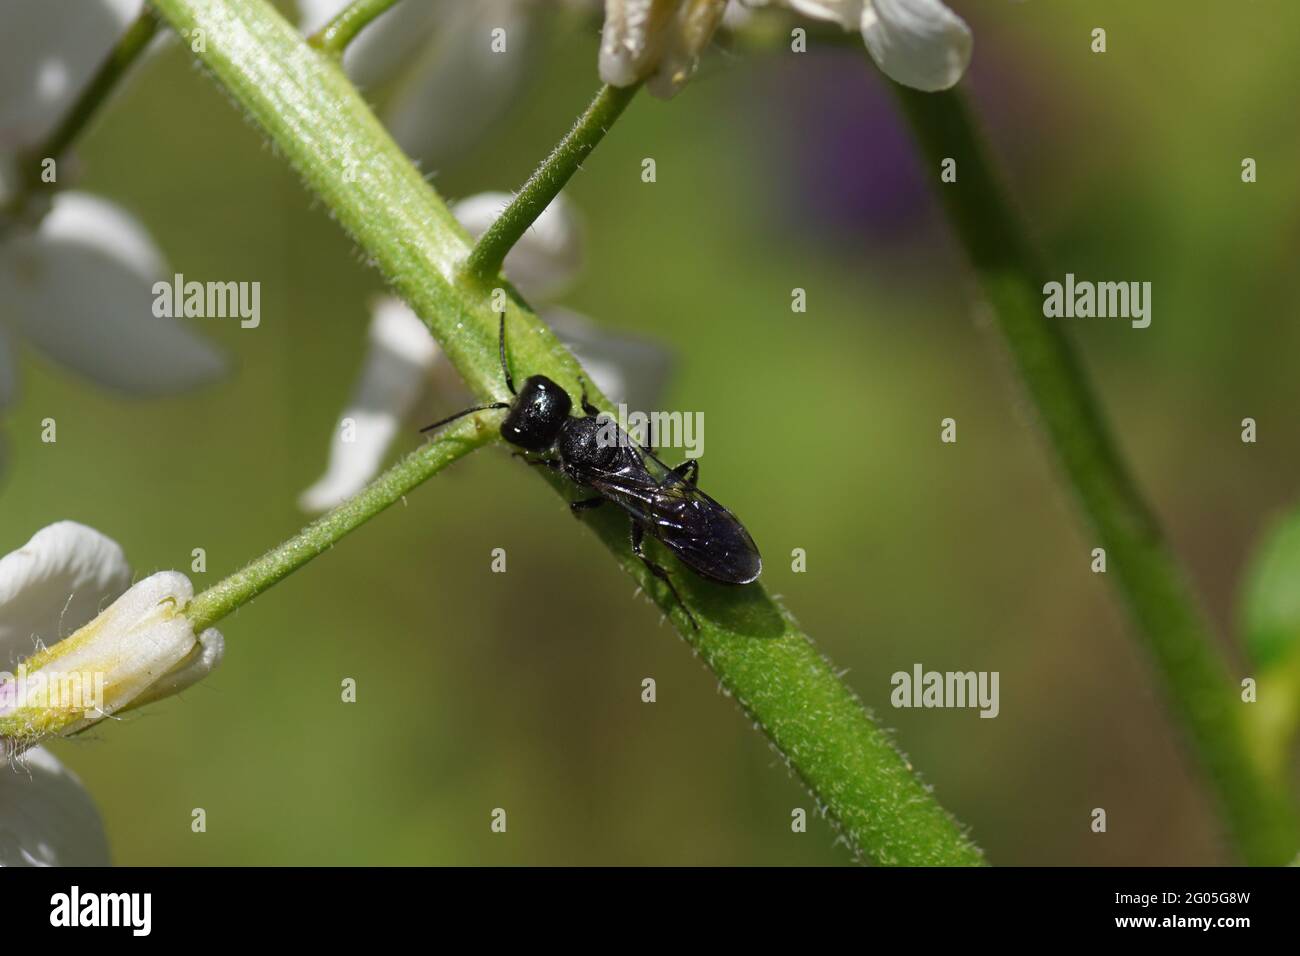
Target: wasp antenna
(501, 348)
(468, 411)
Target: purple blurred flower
(844, 152)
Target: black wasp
(593, 452)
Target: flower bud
(141, 648)
(658, 41)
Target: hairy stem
(419, 466)
(320, 123)
(96, 93)
(335, 36)
(547, 180)
(1204, 699)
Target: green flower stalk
(319, 536)
(335, 36)
(546, 182)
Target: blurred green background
(522, 691)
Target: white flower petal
(633, 38)
(202, 661)
(54, 584)
(132, 645)
(395, 374)
(919, 43)
(386, 44)
(48, 50)
(737, 16)
(691, 33)
(389, 46)
(449, 84)
(547, 258)
(626, 368)
(457, 86)
(314, 14)
(847, 13)
(46, 816)
(81, 287)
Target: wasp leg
(586, 504)
(688, 471)
(638, 543)
(587, 407)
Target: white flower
(140, 648)
(76, 271)
(919, 43)
(47, 53)
(447, 85)
(399, 366)
(659, 41)
(46, 816)
(404, 369)
(79, 287)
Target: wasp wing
(704, 535)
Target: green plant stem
(453, 443)
(316, 119)
(1257, 807)
(96, 93)
(547, 180)
(335, 36)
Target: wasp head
(537, 415)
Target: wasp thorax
(537, 415)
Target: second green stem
(546, 181)
(335, 36)
(1257, 807)
(241, 587)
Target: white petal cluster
(441, 63)
(76, 271)
(656, 41)
(140, 648)
(919, 43)
(66, 664)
